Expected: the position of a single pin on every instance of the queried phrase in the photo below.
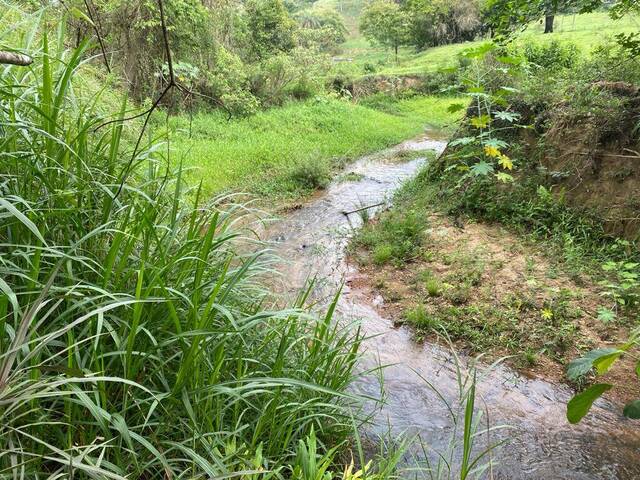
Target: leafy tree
(271, 28)
(323, 26)
(504, 16)
(384, 22)
(438, 22)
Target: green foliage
(600, 361)
(624, 286)
(271, 29)
(551, 55)
(580, 405)
(419, 317)
(322, 26)
(257, 154)
(310, 175)
(384, 22)
(438, 22)
(434, 287)
(396, 237)
(135, 337)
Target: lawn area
(289, 151)
(586, 31)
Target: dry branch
(11, 58)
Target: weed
(310, 175)
(396, 237)
(382, 253)
(379, 283)
(530, 358)
(420, 318)
(459, 294)
(624, 286)
(434, 287)
(351, 177)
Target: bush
(369, 68)
(552, 55)
(310, 175)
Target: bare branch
(95, 20)
(11, 58)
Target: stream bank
(540, 442)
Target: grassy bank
(288, 151)
(586, 31)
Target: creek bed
(540, 443)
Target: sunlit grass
(262, 153)
(586, 31)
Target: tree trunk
(396, 48)
(548, 23)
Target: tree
(384, 22)
(323, 26)
(271, 28)
(438, 22)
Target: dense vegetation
(542, 151)
(138, 335)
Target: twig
(96, 28)
(11, 58)
(607, 154)
(362, 208)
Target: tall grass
(135, 338)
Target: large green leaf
(601, 359)
(580, 404)
(632, 410)
(481, 168)
(455, 107)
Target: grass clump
(419, 317)
(310, 176)
(433, 287)
(395, 237)
(135, 335)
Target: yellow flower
(491, 151)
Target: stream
(540, 443)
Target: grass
(288, 151)
(136, 338)
(586, 31)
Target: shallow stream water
(541, 443)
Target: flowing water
(541, 445)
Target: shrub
(310, 175)
(552, 55)
(382, 253)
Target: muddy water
(542, 445)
